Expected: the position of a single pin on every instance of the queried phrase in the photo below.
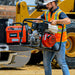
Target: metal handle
(21, 30)
(31, 19)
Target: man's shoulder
(62, 15)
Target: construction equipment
(19, 53)
(45, 34)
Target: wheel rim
(70, 49)
(69, 44)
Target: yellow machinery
(68, 7)
(21, 14)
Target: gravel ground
(31, 70)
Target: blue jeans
(60, 56)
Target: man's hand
(54, 22)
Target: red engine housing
(13, 34)
(48, 40)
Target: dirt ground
(31, 70)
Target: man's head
(50, 4)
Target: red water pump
(48, 40)
(45, 32)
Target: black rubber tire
(36, 58)
(70, 60)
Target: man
(56, 16)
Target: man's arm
(61, 21)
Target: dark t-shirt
(61, 16)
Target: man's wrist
(57, 21)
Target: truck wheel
(70, 47)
